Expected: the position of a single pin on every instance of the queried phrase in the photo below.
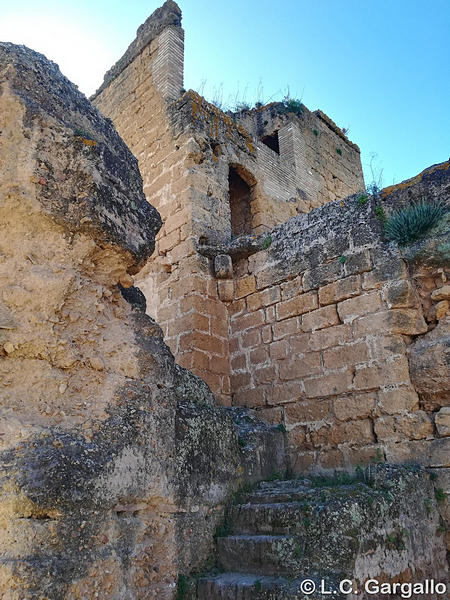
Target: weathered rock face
(429, 364)
(114, 464)
(83, 173)
(384, 526)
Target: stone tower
(213, 177)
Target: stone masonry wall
(181, 293)
(185, 148)
(328, 335)
(327, 165)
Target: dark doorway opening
(240, 198)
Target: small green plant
(258, 585)
(428, 506)
(339, 151)
(315, 132)
(181, 587)
(274, 477)
(77, 132)
(380, 214)
(293, 105)
(362, 199)
(267, 242)
(281, 427)
(410, 223)
(433, 476)
(297, 553)
(342, 259)
(391, 538)
(397, 539)
(440, 495)
(306, 522)
(305, 508)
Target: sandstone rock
(442, 309)
(442, 420)
(429, 364)
(84, 142)
(114, 463)
(442, 293)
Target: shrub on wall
(407, 224)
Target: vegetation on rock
(408, 224)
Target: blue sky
(378, 67)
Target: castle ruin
(197, 303)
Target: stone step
(275, 511)
(268, 554)
(273, 519)
(277, 495)
(281, 492)
(313, 550)
(244, 586)
(283, 484)
(298, 492)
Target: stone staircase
(285, 532)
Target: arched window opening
(240, 198)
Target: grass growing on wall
(408, 224)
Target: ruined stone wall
(176, 279)
(325, 164)
(334, 334)
(316, 163)
(186, 148)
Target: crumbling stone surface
(429, 364)
(114, 463)
(84, 174)
(381, 526)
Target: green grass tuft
(380, 214)
(339, 478)
(440, 494)
(293, 105)
(362, 199)
(275, 477)
(412, 222)
(267, 242)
